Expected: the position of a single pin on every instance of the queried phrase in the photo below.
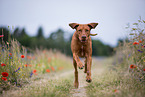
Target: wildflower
(31, 74)
(3, 64)
(47, 70)
(10, 54)
(143, 46)
(34, 71)
(5, 74)
(135, 43)
(140, 51)
(132, 66)
(22, 56)
(4, 78)
(17, 69)
(143, 69)
(140, 41)
(115, 90)
(52, 68)
(1, 35)
(26, 65)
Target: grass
(21, 70)
(126, 77)
(47, 87)
(115, 84)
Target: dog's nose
(83, 36)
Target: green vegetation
(126, 77)
(18, 66)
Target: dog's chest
(82, 52)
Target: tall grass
(132, 54)
(126, 77)
(20, 64)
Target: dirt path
(81, 91)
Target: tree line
(55, 41)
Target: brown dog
(81, 46)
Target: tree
(40, 33)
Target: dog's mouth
(83, 40)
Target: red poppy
(140, 41)
(3, 64)
(52, 68)
(34, 71)
(1, 35)
(115, 90)
(26, 65)
(132, 66)
(143, 69)
(135, 43)
(47, 70)
(4, 78)
(22, 56)
(5, 74)
(10, 54)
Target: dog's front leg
(76, 83)
(79, 63)
(89, 62)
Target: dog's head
(83, 30)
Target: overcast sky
(112, 15)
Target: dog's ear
(92, 25)
(73, 25)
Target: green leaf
(134, 29)
(135, 23)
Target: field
(49, 73)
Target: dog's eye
(79, 30)
(87, 30)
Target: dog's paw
(88, 79)
(76, 84)
(81, 66)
